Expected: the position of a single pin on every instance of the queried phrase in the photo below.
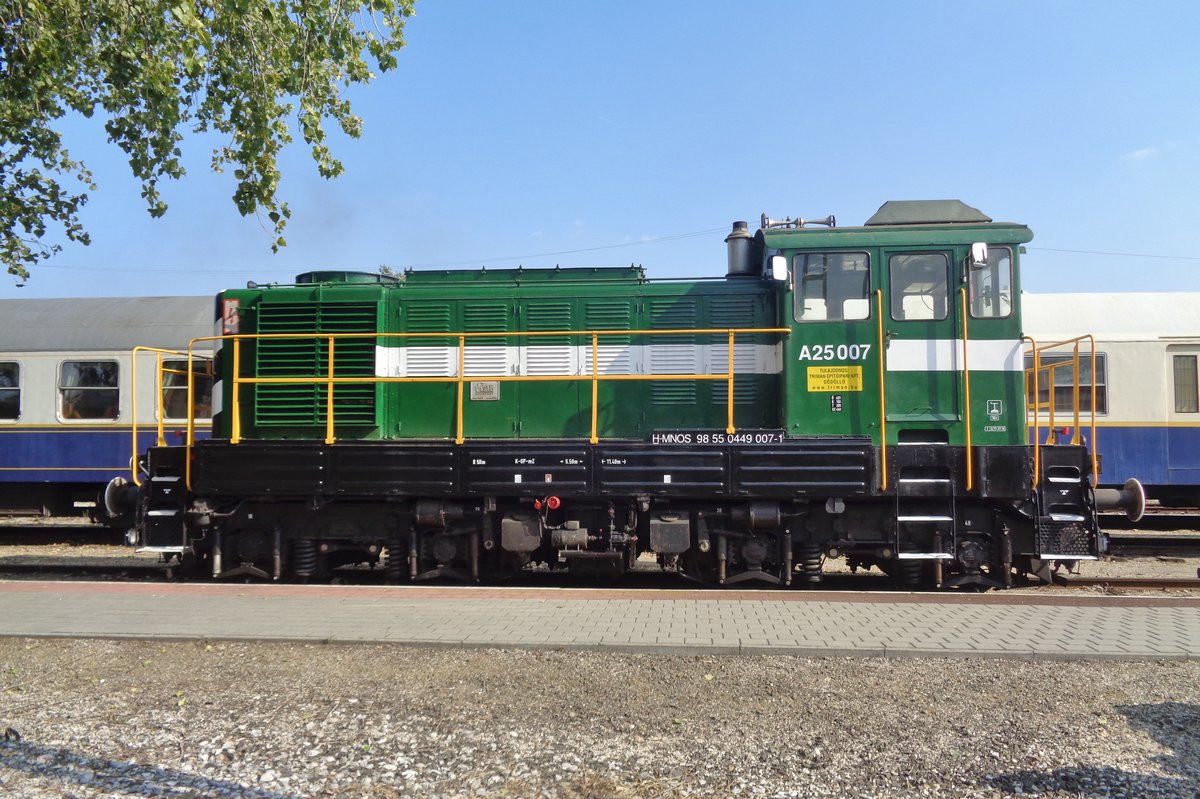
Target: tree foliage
(253, 71)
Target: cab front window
(919, 284)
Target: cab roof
(903, 223)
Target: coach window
(10, 391)
(174, 390)
(1187, 387)
(919, 285)
(88, 390)
(1064, 383)
(832, 286)
(990, 285)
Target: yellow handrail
(236, 423)
(882, 394)
(967, 390)
(1035, 374)
(329, 439)
(159, 410)
(330, 379)
(729, 427)
(593, 438)
(462, 377)
(1037, 406)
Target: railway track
(76, 552)
(67, 569)
(1151, 544)
(1138, 583)
(1155, 518)
(58, 533)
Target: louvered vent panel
(673, 354)
(485, 318)
(427, 361)
(308, 356)
(744, 368)
(429, 356)
(486, 361)
(548, 355)
(614, 355)
(487, 356)
(433, 317)
(734, 312)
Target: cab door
(831, 357)
(921, 337)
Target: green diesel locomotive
(852, 392)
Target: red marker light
(537, 504)
(553, 503)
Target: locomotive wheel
(700, 566)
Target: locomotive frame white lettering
(834, 352)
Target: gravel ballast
(276, 721)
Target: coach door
(920, 336)
(1183, 415)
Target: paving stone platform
(810, 623)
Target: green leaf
(158, 71)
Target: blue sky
(544, 133)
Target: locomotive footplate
(798, 467)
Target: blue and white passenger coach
(1147, 403)
(67, 392)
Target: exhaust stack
(738, 243)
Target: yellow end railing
(1036, 409)
(159, 410)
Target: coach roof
(103, 323)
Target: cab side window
(919, 285)
(10, 391)
(88, 390)
(990, 285)
(832, 286)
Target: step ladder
(925, 502)
(1066, 527)
(163, 524)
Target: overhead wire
(496, 259)
(429, 265)
(1120, 254)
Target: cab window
(88, 390)
(919, 285)
(174, 390)
(832, 286)
(990, 285)
(10, 391)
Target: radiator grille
(307, 355)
